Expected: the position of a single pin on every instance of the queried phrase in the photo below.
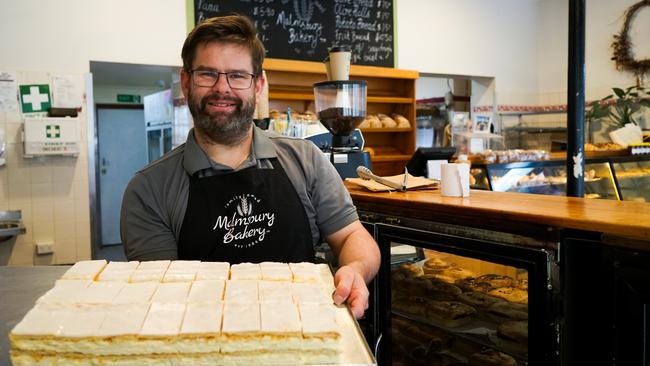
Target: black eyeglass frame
(253, 76)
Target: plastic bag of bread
(386, 121)
(402, 122)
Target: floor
(112, 253)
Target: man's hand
(351, 287)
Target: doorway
(122, 151)
(118, 145)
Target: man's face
(221, 114)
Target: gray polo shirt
(155, 200)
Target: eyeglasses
(236, 80)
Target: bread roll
(402, 122)
(374, 121)
(386, 121)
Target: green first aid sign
(35, 98)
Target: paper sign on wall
(67, 91)
(35, 98)
(51, 136)
(8, 92)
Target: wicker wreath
(623, 47)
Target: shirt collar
(195, 159)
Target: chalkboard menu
(306, 29)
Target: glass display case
(618, 177)
(458, 300)
(633, 178)
(544, 177)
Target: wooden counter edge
(622, 218)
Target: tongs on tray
(366, 173)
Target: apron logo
(243, 228)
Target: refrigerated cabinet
(483, 297)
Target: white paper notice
(8, 92)
(67, 91)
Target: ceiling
(112, 73)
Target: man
(235, 193)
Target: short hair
(235, 29)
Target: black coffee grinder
(341, 107)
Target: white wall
(495, 38)
(604, 18)
(64, 35)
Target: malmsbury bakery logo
(242, 226)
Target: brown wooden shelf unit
(389, 91)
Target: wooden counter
(621, 218)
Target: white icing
(163, 319)
(273, 271)
(317, 318)
(209, 290)
(304, 272)
(147, 275)
(184, 265)
(162, 264)
(173, 292)
(202, 317)
(64, 291)
(310, 292)
(139, 292)
(99, 293)
(42, 319)
(241, 290)
(179, 276)
(82, 322)
(118, 271)
(213, 271)
(245, 271)
(274, 290)
(279, 317)
(241, 317)
(123, 320)
(84, 270)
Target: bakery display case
(544, 177)
(449, 299)
(633, 178)
(609, 177)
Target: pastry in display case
(633, 178)
(467, 308)
(461, 301)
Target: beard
(220, 127)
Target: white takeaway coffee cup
(454, 180)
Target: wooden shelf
(355, 70)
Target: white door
(122, 151)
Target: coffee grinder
(341, 107)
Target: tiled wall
(51, 192)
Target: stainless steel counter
(19, 289)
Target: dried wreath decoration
(623, 47)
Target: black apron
(252, 215)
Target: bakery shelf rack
(390, 91)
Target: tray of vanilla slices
(190, 313)
(466, 311)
